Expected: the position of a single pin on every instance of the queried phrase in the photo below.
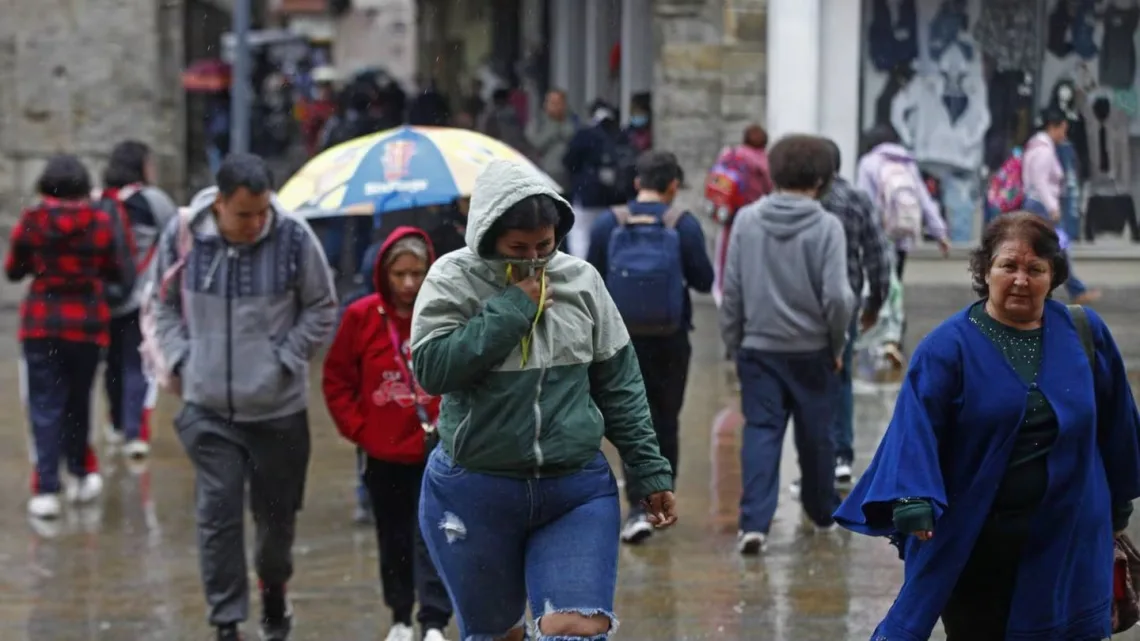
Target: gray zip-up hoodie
(785, 278)
(239, 323)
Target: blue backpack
(645, 275)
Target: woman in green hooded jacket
(535, 368)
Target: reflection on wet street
(126, 570)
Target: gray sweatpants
(274, 457)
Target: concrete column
(567, 23)
(636, 50)
(531, 19)
(839, 78)
(596, 52)
(794, 48)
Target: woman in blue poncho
(1010, 461)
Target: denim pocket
(440, 465)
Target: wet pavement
(126, 570)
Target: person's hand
(660, 509)
(838, 364)
(1119, 533)
(944, 247)
(923, 535)
(868, 320)
(532, 286)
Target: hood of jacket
(63, 225)
(380, 270)
(502, 184)
(786, 215)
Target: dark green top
(1027, 475)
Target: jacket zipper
(538, 457)
(231, 253)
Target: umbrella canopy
(399, 169)
(207, 76)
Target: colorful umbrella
(400, 169)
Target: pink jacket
(1042, 173)
(755, 162)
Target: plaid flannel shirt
(866, 243)
(71, 249)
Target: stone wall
(78, 76)
(709, 77)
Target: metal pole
(240, 98)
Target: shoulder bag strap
(672, 217)
(406, 371)
(1084, 330)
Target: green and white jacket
(580, 381)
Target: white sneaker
(136, 449)
(434, 635)
(85, 490)
(45, 506)
(637, 528)
(843, 476)
(751, 543)
(400, 632)
(111, 436)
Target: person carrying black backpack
(651, 254)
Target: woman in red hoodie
(376, 403)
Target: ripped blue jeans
(499, 542)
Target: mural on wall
(1089, 70)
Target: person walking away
(740, 177)
(867, 262)
(1043, 177)
(376, 404)
(889, 174)
(72, 250)
(549, 134)
(502, 123)
(1012, 458)
(535, 367)
(237, 326)
(651, 254)
(319, 108)
(596, 159)
(128, 182)
(787, 305)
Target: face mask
(525, 266)
(638, 121)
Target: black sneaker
(276, 615)
(637, 528)
(228, 632)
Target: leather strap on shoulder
(1084, 330)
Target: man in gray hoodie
(238, 324)
(787, 303)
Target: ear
(219, 199)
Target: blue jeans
(843, 428)
(498, 541)
(773, 388)
(1073, 286)
(960, 197)
(59, 378)
(126, 384)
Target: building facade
(78, 77)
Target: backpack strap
(1084, 330)
(622, 214)
(672, 217)
(669, 219)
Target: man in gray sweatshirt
(787, 304)
(238, 325)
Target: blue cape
(949, 441)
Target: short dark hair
(501, 96)
(801, 162)
(529, 214)
(65, 177)
(244, 171)
(127, 164)
(1023, 226)
(880, 135)
(657, 169)
(755, 136)
(1052, 117)
(836, 154)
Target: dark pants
(843, 429)
(59, 377)
(900, 262)
(664, 365)
(273, 456)
(978, 609)
(125, 382)
(774, 387)
(406, 570)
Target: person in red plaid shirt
(72, 250)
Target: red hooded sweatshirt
(365, 388)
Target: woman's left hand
(1118, 533)
(661, 509)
